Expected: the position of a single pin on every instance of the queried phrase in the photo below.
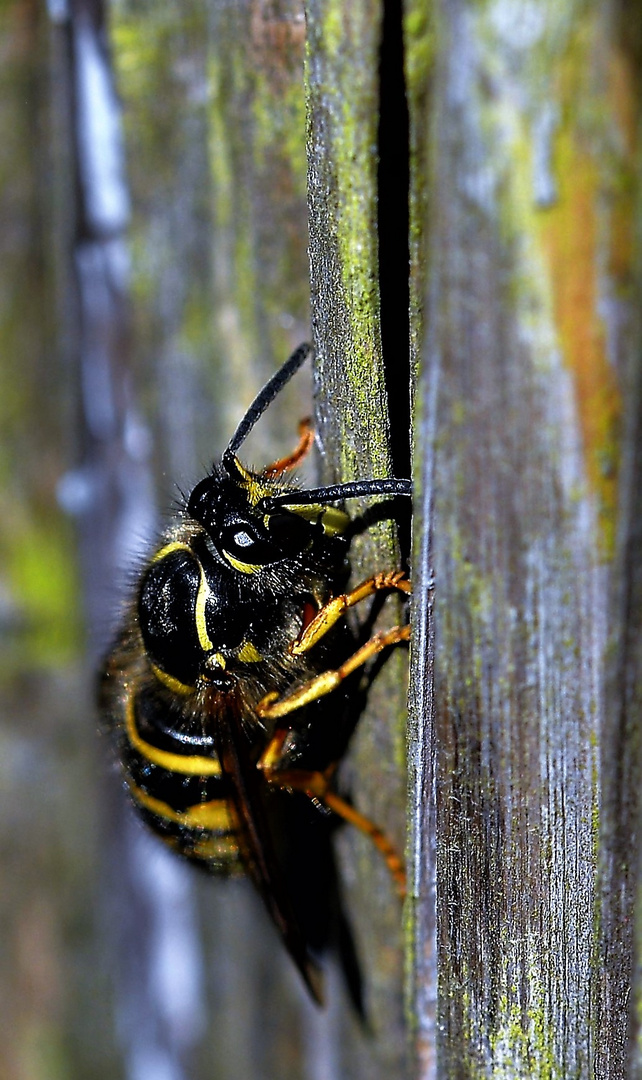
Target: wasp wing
(251, 799)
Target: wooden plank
(523, 730)
(354, 424)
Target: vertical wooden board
(257, 154)
(620, 1052)
(421, 915)
(47, 852)
(342, 73)
(160, 56)
(527, 356)
(215, 120)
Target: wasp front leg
(316, 785)
(286, 464)
(336, 608)
(271, 708)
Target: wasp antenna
(263, 399)
(337, 492)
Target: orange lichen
(579, 244)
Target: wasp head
(231, 506)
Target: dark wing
(250, 799)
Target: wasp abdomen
(176, 781)
(204, 831)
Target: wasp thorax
(188, 613)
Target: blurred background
(153, 273)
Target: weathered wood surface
(352, 394)
(524, 727)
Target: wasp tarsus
(216, 691)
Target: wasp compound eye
(241, 540)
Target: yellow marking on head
(250, 483)
(175, 685)
(333, 521)
(199, 613)
(219, 660)
(187, 765)
(243, 567)
(248, 653)
(257, 491)
(175, 545)
(213, 815)
(245, 473)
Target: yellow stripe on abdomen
(186, 765)
(213, 815)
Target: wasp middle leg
(271, 708)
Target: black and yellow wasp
(215, 690)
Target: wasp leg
(394, 862)
(316, 786)
(331, 612)
(271, 709)
(284, 464)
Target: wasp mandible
(235, 640)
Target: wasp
(227, 689)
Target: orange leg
(284, 464)
(316, 785)
(336, 608)
(271, 708)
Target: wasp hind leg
(316, 785)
